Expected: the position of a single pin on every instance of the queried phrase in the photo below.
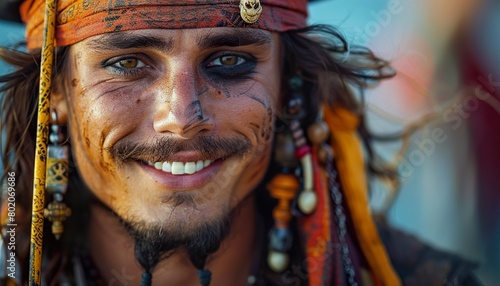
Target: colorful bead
(318, 132)
(302, 151)
(280, 239)
(283, 187)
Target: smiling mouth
(181, 168)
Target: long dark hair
(331, 69)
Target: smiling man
(200, 142)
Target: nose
(180, 110)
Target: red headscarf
(80, 19)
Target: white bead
(277, 261)
(307, 201)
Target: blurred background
(448, 63)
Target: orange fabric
(350, 166)
(80, 19)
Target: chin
(186, 209)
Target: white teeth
(166, 167)
(181, 168)
(177, 168)
(199, 166)
(190, 167)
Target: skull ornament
(250, 10)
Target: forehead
(168, 39)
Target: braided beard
(154, 243)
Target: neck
(112, 250)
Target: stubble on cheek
(263, 130)
(88, 136)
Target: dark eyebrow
(234, 38)
(124, 40)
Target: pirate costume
(319, 219)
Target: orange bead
(284, 186)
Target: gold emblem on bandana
(250, 10)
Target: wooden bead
(285, 151)
(318, 132)
(283, 187)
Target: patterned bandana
(80, 19)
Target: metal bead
(57, 212)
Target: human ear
(58, 104)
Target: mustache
(164, 149)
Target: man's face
(173, 127)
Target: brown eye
(229, 60)
(129, 63)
